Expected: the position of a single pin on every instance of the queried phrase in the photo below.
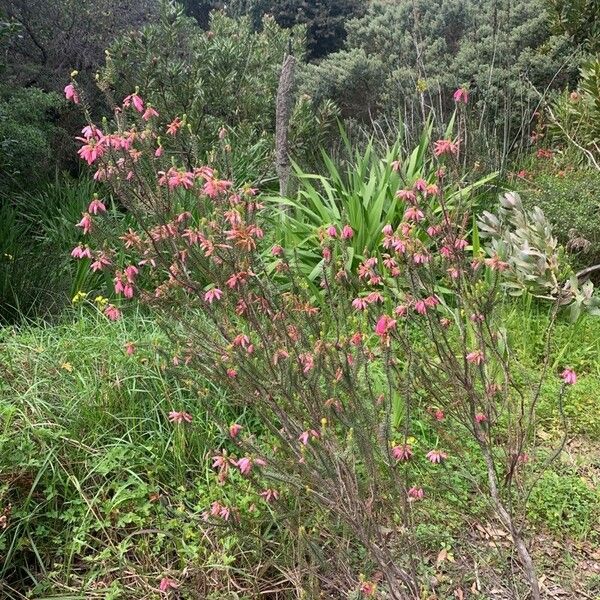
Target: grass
(89, 454)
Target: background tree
(325, 20)
(579, 19)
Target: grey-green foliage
(412, 55)
(524, 240)
(536, 262)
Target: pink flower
(495, 264)
(347, 232)
(413, 214)
(149, 113)
(307, 362)
(360, 303)
(438, 414)
(130, 348)
(270, 495)
(406, 195)
(158, 152)
(331, 231)
(180, 417)
(213, 187)
(101, 261)
(461, 95)
(218, 510)
(81, 252)
(71, 93)
(174, 126)
(442, 147)
(569, 376)
(416, 493)
(85, 223)
(401, 310)
(91, 151)
(384, 325)
(420, 307)
(277, 250)
(96, 207)
(167, 584)
(234, 430)
(112, 312)
(420, 185)
(480, 418)
(475, 357)
(130, 272)
(402, 453)
(212, 295)
(305, 436)
(436, 456)
(137, 102)
(387, 230)
(245, 464)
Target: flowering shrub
(330, 385)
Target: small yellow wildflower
(79, 296)
(101, 301)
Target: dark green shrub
(28, 129)
(572, 204)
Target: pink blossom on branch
(436, 456)
(136, 101)
(71, 93)
(461, 95)
(402, 453)
(180, 417)
(476, 357)
(445, 147)
(569, 376)
(85, 223)
(213, 294)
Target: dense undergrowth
(103, 496)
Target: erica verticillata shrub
(329, 384)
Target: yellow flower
(79, 296)
(67, 367)
(101, 301)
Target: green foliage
(525, 241)
(574, 117)
(565, 504)
(325, 20)
(56, 37)
(413, 55)
(571, 204)
(98, 481)
(578, 19)
(28, 134)
(38, 277)
(224, 78)
(360, 193)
